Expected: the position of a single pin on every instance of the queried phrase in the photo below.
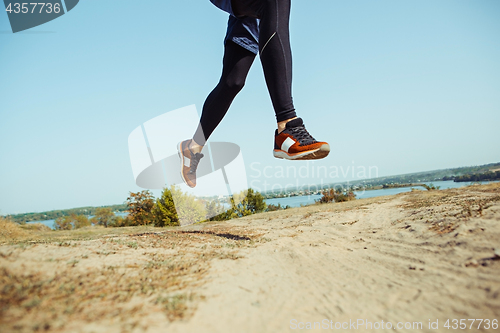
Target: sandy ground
(420, 257)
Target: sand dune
(417, 257)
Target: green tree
(255, 202)
(103, 216)
(140, 207)
(164, 210)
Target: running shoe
(189, 163)
(295, 143)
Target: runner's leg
(292, 140)
(275, 51)
(276, 56)
(236, 64)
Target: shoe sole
(314, 154)
(181, 157)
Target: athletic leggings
(276, 59)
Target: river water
(310, 199)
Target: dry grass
(152, 272)
(446, 210)
(35, 227)
(10, 231)
(40, 234)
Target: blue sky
(404, 86)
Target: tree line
(54, 214)
(477, 177)
(144, 209)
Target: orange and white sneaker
(189, 163)
(295, 143)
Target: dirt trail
(404, 259)
(373, 262)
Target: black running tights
(276, 59)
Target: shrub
(273, 208)
(35, 227)
(431, 187)
(119, 221)
(339, 195)
(71, 222)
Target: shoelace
(302, 135)
(195, 159)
